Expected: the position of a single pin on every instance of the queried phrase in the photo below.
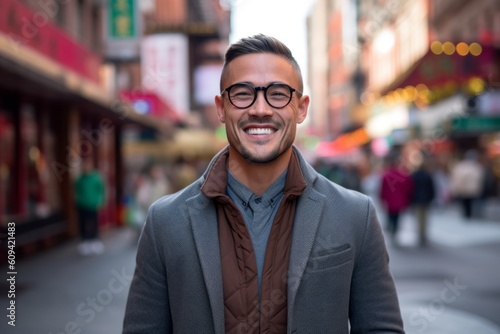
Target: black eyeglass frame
(256, 91)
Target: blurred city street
(106, 106)
(451, 286)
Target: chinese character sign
(122, 19)
(165, 68)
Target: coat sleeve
(374, 306)
(148, 308)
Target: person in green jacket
(89, 198)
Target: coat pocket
(330, 258)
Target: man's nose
(260, 108)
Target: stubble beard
(269, 157)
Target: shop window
(42, 187)
(51, 184)
(7, 166)
(28, 190)
(29, 160)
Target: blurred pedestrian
(441, 178)
(423, 194)
(89, 191)
(370, 183)
(185, 172)
(352, 179)
(466, 182)
(396, 190)
(261, 242)
(152, 186)
(489, 187)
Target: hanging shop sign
(122, 23)
(474, 125)
(165, 68)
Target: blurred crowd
(399, 184)
(416, 185)
(154, 180)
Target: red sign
(25, 27)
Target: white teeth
(260, 131)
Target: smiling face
(261, 133)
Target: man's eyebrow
(265, 85)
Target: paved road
(452, 286)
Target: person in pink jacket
(396, 190)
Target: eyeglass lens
(243, 95)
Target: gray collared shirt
(258, 212)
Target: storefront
(54, 112)
(450, 94)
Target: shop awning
(188, 142)
(438, 69)
(54, 66)
(345, 144)
(149, 103)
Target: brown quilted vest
(243, 312)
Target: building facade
(333, 66)
(432, 68)
(55, 110)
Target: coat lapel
(205, 231)
(307, 218)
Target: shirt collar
(245, 195)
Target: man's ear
(219, 104)
(303, 106)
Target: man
(262, 243)
(466, 182)
(396, 189)
(89, 198)
(422, 197)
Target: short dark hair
(260, 43)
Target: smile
(260, 131)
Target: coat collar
(307, 218)
(215, 181)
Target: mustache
(261, 120)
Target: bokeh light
(449, 48)
(436, 47)
(462, 49)
(475, 49)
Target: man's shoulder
(178, 198)
(334, 191)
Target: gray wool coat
(338, 278)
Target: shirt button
(258, 200)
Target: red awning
(149, 103)
(345, 144)
(440, 69)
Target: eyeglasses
(243, 95)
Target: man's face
(261, 133)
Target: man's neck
(258, 176)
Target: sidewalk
(59, 291)
(422, 306)
(447, 227)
